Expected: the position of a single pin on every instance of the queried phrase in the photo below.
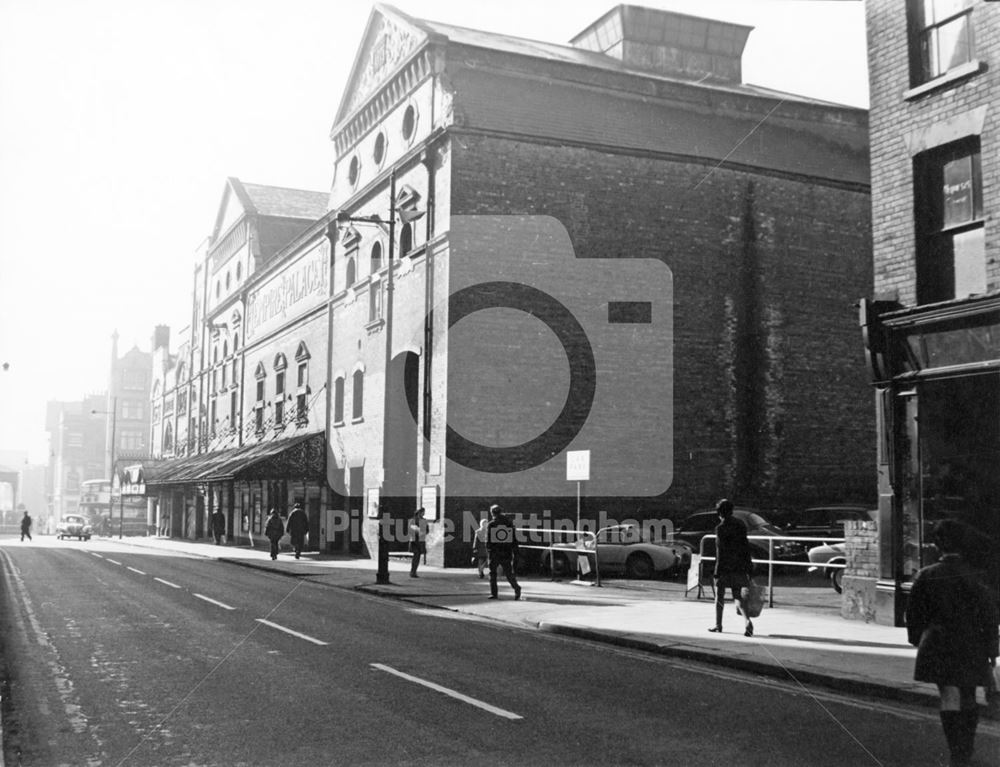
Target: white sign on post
(577, 465)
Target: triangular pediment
(390, 38)
(235, 204)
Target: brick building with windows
(239, 409)
(932, 325)
(126, 413)
(613, 245)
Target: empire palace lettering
(287, 293)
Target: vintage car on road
(74, 526)
(621, 549)
(821, 557)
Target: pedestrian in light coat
(298, 526)
(274, 529)
(733, 563)
(480, 556)
(952, 619)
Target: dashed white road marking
(223, 605)
(167, 583)
(139, 572)
(114, 561)
(447, 691)
(289, 631)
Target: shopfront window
(959, 453)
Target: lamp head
(409, 215)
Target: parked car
(74, 526)
(827, 521)
(822, 557)
(622, 549)
(696, 526)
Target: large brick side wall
(771, 399)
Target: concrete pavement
(802, 638)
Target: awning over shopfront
(297, 458)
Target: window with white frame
(375, 301)
(942, 38)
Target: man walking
(26, 525)
(218, 526)
(417, 540)
(501, 545)
(298, 526)
(274, 529)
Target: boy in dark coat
(952, 620)
(733, 563)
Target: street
(124, 656)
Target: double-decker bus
(111, 515)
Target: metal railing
(771, 561)
(583, 536)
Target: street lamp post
(121, 502)
(382, 573)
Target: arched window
(168, 437)
(350, 272)
(227, 280)
(338, 400)
(358, 385)
(218, 288)
(239, 272)
(236, 342)
(376, 257)
(225, 349)
(406, 239)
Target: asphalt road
(122, 656)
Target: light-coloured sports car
(621, 549)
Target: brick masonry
(861, 572)
(771, 400)
(893, 115)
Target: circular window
(354, 171)
(378, 153)
(409, 122)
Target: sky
(120, 121)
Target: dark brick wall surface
(771, 399)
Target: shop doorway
(959, 458)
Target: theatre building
(239, 409)
(613, 248)
(932, 325)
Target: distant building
(77, 450)
(932, 326)
(126, 412)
